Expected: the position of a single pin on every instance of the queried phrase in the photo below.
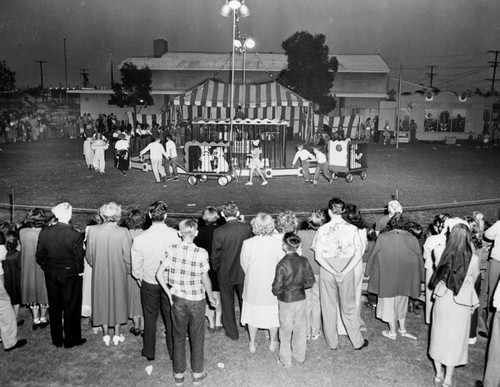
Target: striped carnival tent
(270, 100)
(160, 119)
(350, 124)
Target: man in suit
(60, 254)
(148, 250)
(226, 249)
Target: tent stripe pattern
(218, 94)
(348, 123)
(160, 119)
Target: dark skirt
(123, 160)
(12, 276)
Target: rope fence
(423, 213)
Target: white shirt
(148, 250)
(320, 157)
(493, 234)
(302, 154)
(156, 151)
(171, 149)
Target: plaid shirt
(185, 265)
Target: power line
(41, 62)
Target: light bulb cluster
(231, 6)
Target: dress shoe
(19, 344)
(75, 343)
(147, 358)
(118, 339)
(365, 344)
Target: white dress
(451, 317)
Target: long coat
(33, 287)
(395, 265)
(108, 252)
(226, 248)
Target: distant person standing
(368, 129)
(171, 150)
(413, 132)
(226, 249)
(60, 254)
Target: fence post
(12, 200)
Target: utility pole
(65, 74)
(431, 75)
(85, 75)
(41, 75)
(492, 92)
(398, 105)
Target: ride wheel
(223, 180)
(192, 180)
(363, 175)
(349, 177)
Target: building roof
(273, 62)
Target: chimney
(160, 47)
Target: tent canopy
(218, 94)
(238, 121)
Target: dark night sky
(454, 35)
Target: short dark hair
(136, 220)
(336, 205)
(292, 241)
(230, 209)
(157, 211)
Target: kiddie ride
(205, 160)
(347, 158)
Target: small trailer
(205, 160)
(347, 158)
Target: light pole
(242, 43)
(237, 8)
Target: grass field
(44, 174)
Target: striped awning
(218, 94)
(348, 123)
(238, 121)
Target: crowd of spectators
(298, 280)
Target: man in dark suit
(226, 249)
(60, 254)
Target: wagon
(209, 160)
(347, 158)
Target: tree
(311, 71)
(7, 78)
(134, 91)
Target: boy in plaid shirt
(184, 277)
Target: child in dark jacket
(293, 276)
